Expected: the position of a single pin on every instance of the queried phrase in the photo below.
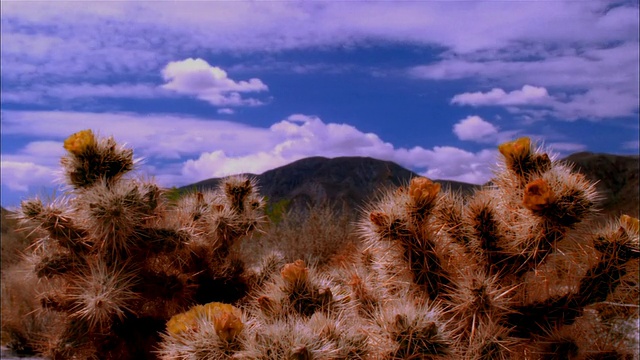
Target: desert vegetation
(119, 268)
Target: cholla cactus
(513, 265)
(296, 314)
(516, 270)
(122, 260)
(211, 331)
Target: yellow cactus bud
(295, 272)
(183, 321)
(79, 142)
(630, 223)
(227, 320)
(423, 190)
(516, 149)
(538, 195)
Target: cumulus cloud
(300, 136)
(593, 104)
(183, 150)
(296, 137)
(474, 128)
(526, 96)
(209, 83)
(34, 165)
(20, 176)
(447, 162)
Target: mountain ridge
(345, 180)
(353, 180)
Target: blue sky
(206, 89)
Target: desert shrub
(14, 243)
(275, 211)
(313, 234)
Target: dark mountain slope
(617, 179)
(354, 180)
(349, 181)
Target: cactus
(517, 270)
(506, 263)
(123, 260)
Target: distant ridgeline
(350, 182)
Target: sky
(203, 89)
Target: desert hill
(348, 181)
(616, 177)
(351, 181)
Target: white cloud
(451, 163)
(294, 138)
(20, 176)
(226, 111)
(294, 25)
(64, 38)
(597, 103)
(596, 83)
(35, 165)
(526, 96)
(183, 150)
(209, 83)
(575, 47)
(475, 128)
(153, 135)
(465, 166)
(593, 104)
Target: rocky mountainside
(351, 181)
(344, 181)
(616, 177)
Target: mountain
(616, 177)
(345, 181)
(352, 181)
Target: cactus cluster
(517, 270)
(120, 260)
